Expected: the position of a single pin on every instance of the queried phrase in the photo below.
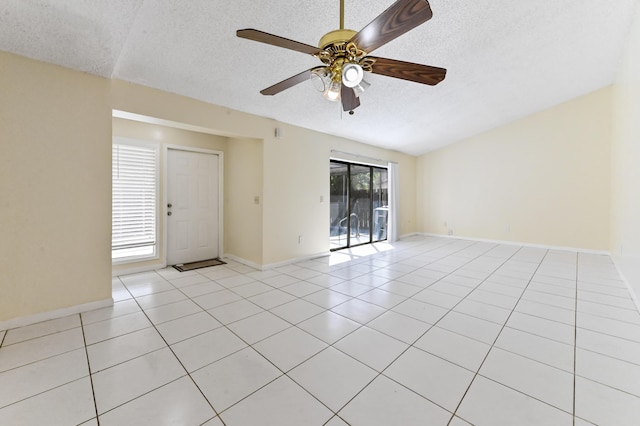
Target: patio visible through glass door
(359, 209)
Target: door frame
(349, 164)
(165, 187)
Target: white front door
(192, 206)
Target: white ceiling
(505, 58)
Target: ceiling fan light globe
(360, 88)
(318, 84)
(352, 75)
(332, 96)
(333, 92)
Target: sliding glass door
(359, 209)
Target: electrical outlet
(299, 239)
(256, 199)
(322, 198)
(450, 232)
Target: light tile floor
(427, 331)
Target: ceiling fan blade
(424, 74)
(349, 99)
(289, 82)
(399, 18)
(275, 40)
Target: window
(134, 200)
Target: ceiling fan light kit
(352, 75)
(345, 54)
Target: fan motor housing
(336, 36)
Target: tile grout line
(378, 373)
(575, 337)
(353, 297)
(357, 297)
(502, 349)
(626, 361)
(217, 415)
(301, 280)
(86, 352)
(391, 262)
(335, 413)
(611, 306)
(497, 337)
(563, 323)
(608, 386)
(504, 261)
(300, 298)
(167, 346)
(381, 373)
(285, 373)
(37, 337)
(613, 319)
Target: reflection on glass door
(359, 208)
(360, 203)
(339, 193)
(380, 195)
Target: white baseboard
(241, 260)
(630, 273)
(58, 313)
(413, 234)
(518, 243)
(268, 266)
(626, 267)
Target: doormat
(197, 265)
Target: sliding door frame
(349, 203)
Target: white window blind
(134, 198)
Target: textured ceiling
(505, 58)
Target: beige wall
(294, 173)
(548, 178)
(163, 136)
(544, 179)
(625, 164)
(294, 180)
(56, 132)
(55, 183)
(243, 222)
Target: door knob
(169, 213)
(169, 205)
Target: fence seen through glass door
(359, 204)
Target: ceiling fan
(345, 54)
